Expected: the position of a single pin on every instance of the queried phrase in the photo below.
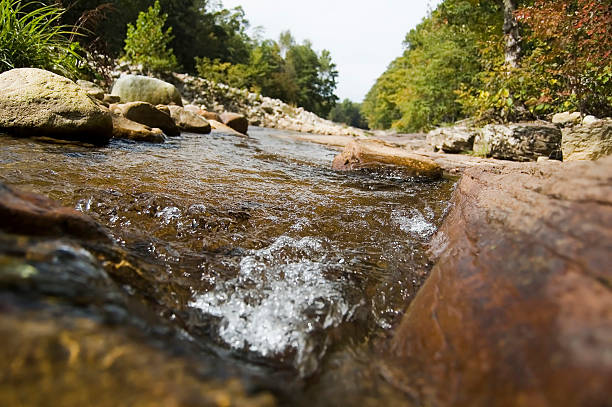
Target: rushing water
(255, 247)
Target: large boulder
(149, 115)
(127, 129)
(588, 141)
(236, 121)
(455, 139)
(517, 310)
(374, 156)
(189, 121)
(137, 88)
(519, 141)
(92, 89)
(34, 102)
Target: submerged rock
(189, 121)
(149, 115)
(34, 102)
(127, 129)
(588, 141)
(236, 121)
(517, 310)
(137, 88)
(32, 214)
(519, 141)
(455, 139)
(376, 156)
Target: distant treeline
(498, 60)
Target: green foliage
(31, 36)
(348, 113)
(147, 42)
(418, 90)
(302, 77)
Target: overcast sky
(363, 36)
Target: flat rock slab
(375, 156)
(35, 102)
(517, 310)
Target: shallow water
(254, 247)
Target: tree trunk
(511, 34)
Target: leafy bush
(30, 36)
(147, 43)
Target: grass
(31, 36)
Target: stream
(239, 257)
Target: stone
(35, 102)
(210, 115)
(111, 99)
(36, 215)
(587, 141)
(376, 156)
(517, 310)
(92, 89)
(589, 119)
(137, 88)
(519, 141)
(189, 121)
(455, 139)
(127, 129)
(236, 121)
(149, 115)
(567, 118)
(223, 128)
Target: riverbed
(265, 263)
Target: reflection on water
(253, 245)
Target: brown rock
(210, 115)
(189, 121)
(127, 129)
(518, 308)
(222, 128)
(236, 121)
(147, 114)
(373, 156)
(31, 214)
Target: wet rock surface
(34, 102)
(130, 130)
(149, 115)
(517, 308)
(375, 156)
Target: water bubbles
(277, 303)
(413, 222)
(168, 214)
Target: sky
(363, 36)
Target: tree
(574, 46)
(147, 42)
(511, 34)
(348, 113)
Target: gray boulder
(455, 139)
(567, 118)
(589, 141)
(149, 115)
(35, 102)
(189, 121)
(519, 141)
(137, 88)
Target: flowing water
(252, 249)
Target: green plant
(31, 36)
(147, 42)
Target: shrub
(30, 36)
(147, 43)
